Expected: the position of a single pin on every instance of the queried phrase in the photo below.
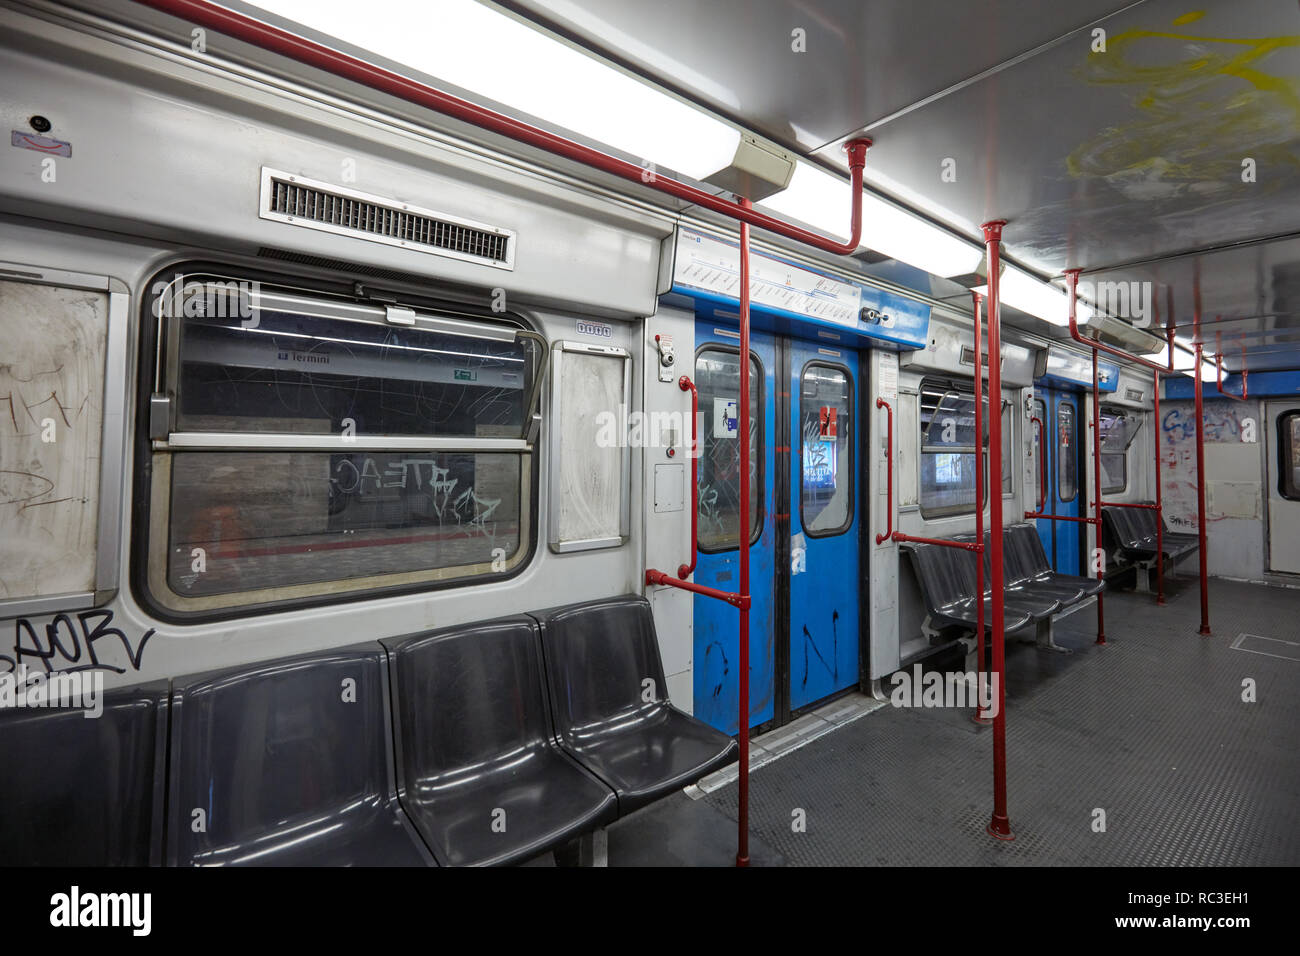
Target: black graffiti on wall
(83, 642)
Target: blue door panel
(717, 624)
(1062, 540)
(823, 625)
(824, 585)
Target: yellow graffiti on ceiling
(1203, 103)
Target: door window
(825, 450)
(1067, 462)
(717, 377)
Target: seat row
(487, 743)
(1032, 591)
(1130, 539)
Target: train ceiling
(1126, 163)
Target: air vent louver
(315, 205)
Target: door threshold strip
(775, 744)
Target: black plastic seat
(1016, 595)
(1031, 560)
(1133, 533)
(287, 763)
(85, 791)
(611, 707)
(947, 579)
(479, 769)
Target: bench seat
(610, 701)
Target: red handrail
(1200, 497)
(941, 542)
(1096, 497)
(999, 825)
(206, 14)
(684, 571)
(658, 577)
(889, 480)
(1042, 465)
(976, 301)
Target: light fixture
(495, 56)
(1042, 300)
(821, 200)
(1185, 362)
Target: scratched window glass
(280, 519)
(717, 377)
(1067, 462)
(1118, 429)
(299, 372)
(948, 449)
(826, 450)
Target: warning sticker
(826, 427)
(42, 144)
(726, 418)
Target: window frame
(953, 385)
(850, 443)
(559, 349)
(1112, 411)
(1286, 488)
(759, 456)
(156, 443)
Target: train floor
(1148, 751)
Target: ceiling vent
(304, 202)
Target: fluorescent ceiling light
(495, 56)
(1040, 299)
(822, 200)
(1185, 362)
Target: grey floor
(1151, 729)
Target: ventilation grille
(314, 205)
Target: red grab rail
(889, 480)
(206, 14)
(684, 383)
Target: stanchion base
(1160, 601)
(742, 861)
(1000, 828)
(1205, 629)
(1101, 638)
(982, 721)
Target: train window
(825, 450)
(1288, 428)
(1118, 429)
(313, 446)
(590, 502)
(947, 449)
(717, 377)
(1040, 447)
(1067, 466)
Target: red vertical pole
(1096, 485)
(1200, 495)
(1072, 281)
(1160, 514)
(742, 850)
(1000, 825)
(979, 506)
